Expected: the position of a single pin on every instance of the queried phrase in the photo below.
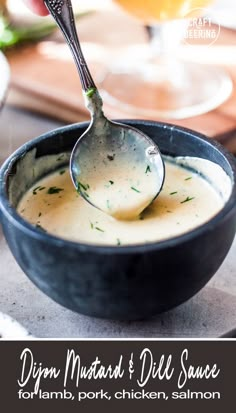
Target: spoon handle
(61, 11)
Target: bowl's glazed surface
(127, 282)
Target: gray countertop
(209, 314)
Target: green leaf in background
(10, 35)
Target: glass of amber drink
(160, 83)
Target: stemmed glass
(158, 83)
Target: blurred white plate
(4, 77)
(10, 328)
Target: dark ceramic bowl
(131, 282)
(230, 334)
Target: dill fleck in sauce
(118, 188)
(186, 201)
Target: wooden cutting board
(44, 77)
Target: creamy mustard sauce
(186, 201)
(118, 188)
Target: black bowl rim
(229, 334)
(16, 219)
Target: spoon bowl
(116, 168)
(105, 141)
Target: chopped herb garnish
(38, 188)
(90, 92)
(187, 199)
(111, 157)
(60, 157)
(109, 184)
(85, 187)
(54, 190)
(173, 193)
(40, 227)
(189, 177)
(148, 169)
(99, 229)
(40, 213)
(118, 241)
(134, 189)
(91, 225)
(62, 172)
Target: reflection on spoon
(108, 156)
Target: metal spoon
(115, 167)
